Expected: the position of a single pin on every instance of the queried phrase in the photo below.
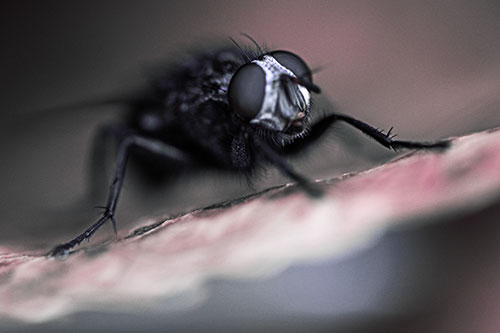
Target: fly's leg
(284, 167)
(319, 128)
(385, 139)
(148, 144)
(106, 137)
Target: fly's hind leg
(128, 141)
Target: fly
(230, 109)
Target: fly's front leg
(386, 139)
(284, 167)
(150, 145)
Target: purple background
(431, 69)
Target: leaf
(254, 237)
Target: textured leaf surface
(255, 237)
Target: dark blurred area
(430, 69)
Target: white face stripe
(273, 71)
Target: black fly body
(230, 109)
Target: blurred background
(430, 69)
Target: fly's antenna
(309, 85)
(312, 71)
(243, 53)
(253, 41)
(317, 69)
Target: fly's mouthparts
(299, 116)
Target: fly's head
(274, 92)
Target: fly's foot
(61, 251)
(64, 250)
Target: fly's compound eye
(298, 66)
(246, 90)
(294, 63)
